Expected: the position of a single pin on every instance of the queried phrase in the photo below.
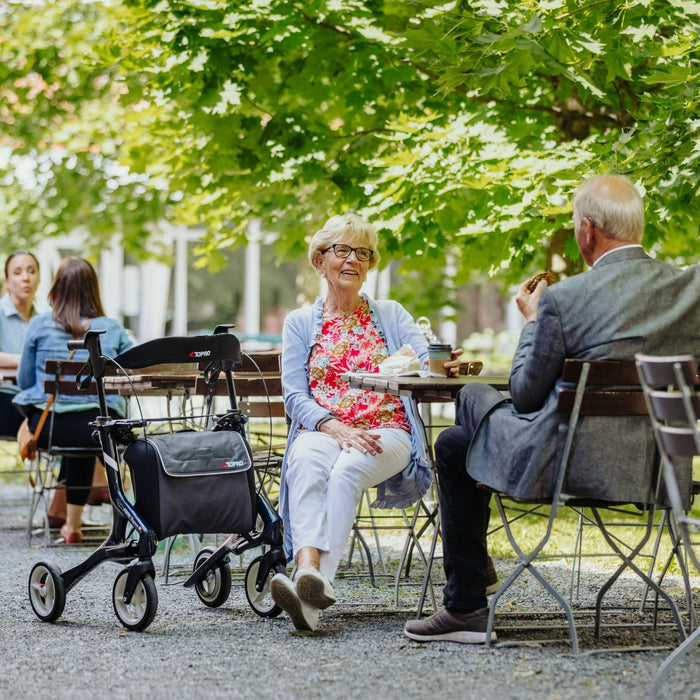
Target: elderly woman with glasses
(342, 441)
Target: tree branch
(564, 15)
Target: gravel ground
(359, 652)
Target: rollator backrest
(218, 348)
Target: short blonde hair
(345, 228)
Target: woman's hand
(347, 437)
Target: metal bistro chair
(672, 390)
(44, 467)
(607, 389)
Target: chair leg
(672, 659)
(40, 476)
(195, 544)
(380, 550)
(427, 580)
(576, 562)
(526, 563)
(627, 562)
(654, 556)
(681, 555)
(413, 541)
(357, 535)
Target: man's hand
(528, 303)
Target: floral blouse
(352, 344)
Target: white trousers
(325, 485)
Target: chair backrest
(611, 388)
(594, 388)
(671, 389)
(61, 378)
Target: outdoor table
(160, 384)
(422, 391)
(8, 376)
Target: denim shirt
(396, 327)
(12, 330)
(45, 340)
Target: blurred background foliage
(461, 129)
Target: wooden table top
(427, 389)
(248, 384)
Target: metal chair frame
(671, 388)
(42, 477)
(621, 396)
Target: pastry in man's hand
(547, 276)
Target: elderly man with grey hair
(627, 302)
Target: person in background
(76, 307)
(16, 308)
(628, 302)
(342, 441)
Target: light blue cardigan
(395, 325)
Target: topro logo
(200, 353)
(235, 464)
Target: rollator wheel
(139, 612)
(47, 592)
(260, 601)
(215, 588)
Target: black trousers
(464, 508)
(10, 417)
(70, 430)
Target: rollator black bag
(193, 482)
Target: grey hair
(345, 228)
(613, 203)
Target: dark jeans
(10, 417)
(71, 430)
(464, 508)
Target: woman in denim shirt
(16, 310)
(341, 440)
(76, 307)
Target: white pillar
(180, 283)
(448, 329)
(251, 295)
(111, 275)
(155, 283)
(384, 283)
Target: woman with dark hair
(16, 308)
(76, 307)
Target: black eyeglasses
(343, 251)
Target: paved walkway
(359, 652)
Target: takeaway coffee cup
(438, 354)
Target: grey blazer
(627, 303)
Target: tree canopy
(460, 129)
